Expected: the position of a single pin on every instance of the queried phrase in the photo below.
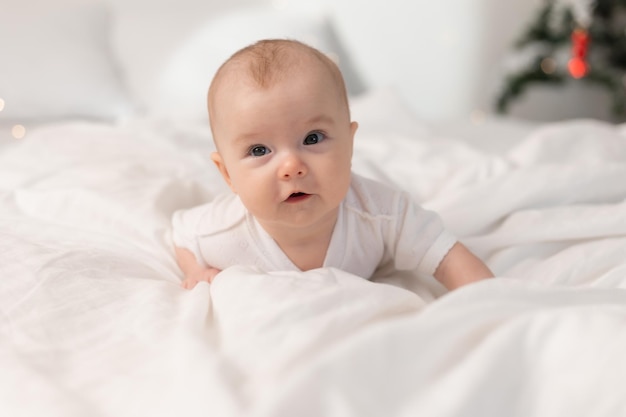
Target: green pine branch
(607, 63)
(518, 83)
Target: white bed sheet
(94, 323)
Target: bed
(94, 322)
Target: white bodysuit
(376, 225)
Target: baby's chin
(297, 216)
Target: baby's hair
(268, 61)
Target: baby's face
(286, 150)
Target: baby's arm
(194, 272)
(460, 267)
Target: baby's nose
(292, 166)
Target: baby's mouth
(295, 197)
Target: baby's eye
(313, 138)
(258, 150)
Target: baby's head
(281, 123)
(267, 62)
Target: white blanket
(94, 323)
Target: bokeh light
(18, 131)
(478, 117)
(577, 67)
(548, 65)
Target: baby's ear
(353, 127)
(219, 163)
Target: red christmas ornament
(577, 65)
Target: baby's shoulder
(222, 213)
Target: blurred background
(449, 60)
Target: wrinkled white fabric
(93, 321)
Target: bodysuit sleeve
(421, 240)
(185, 226)
(206, 230)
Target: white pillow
(183, 83)
(55, 62)
(146, 33)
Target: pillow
(181, 86)
(56, 63)
(146, 33)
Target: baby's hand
(205, 274)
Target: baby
(280, 119)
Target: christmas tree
(572, 41)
